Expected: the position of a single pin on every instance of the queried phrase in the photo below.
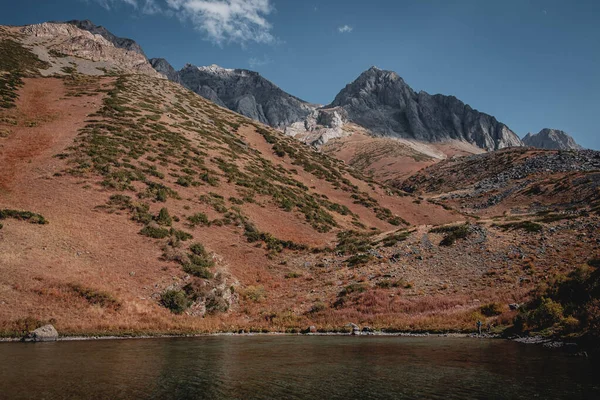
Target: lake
(293, 367)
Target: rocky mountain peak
(551, 139)
(245, 92)
(122, 43)
(163, 67)
(382, 102)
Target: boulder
(514, 306)
(312, 329)
(355, 328)
(46, 333)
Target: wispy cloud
(254, 62)
(221, 21)
(345, 29)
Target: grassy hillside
(130, 205)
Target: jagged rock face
(163, 67)
(551, 139)
(73, 41)
(247, 93)
(320, 126)
(122, 43)
(382, 102)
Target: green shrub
(154, 232)
(198, 219)
(199, 262)
(180, 235)
(164, 218)
(547, 313)
(353, 288)
(175, 300)
(28, 216)
(358, 259)
(452, 233)
(527, 226)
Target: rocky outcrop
(163, 67)
(320, 126)
(122, 43)
(383, 103)
(46, 333)
(245, 92)
(68, 39)
(551, 139)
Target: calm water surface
(289, 367)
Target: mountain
(163, 67)
(551, 139)
(382, 102)
(247, 93)
(122, 43)
(66, 48)
(131, 205)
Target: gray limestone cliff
(383, 103)
(163, 67)
(247, 93)
(551, 139)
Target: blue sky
(531, 63)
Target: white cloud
(345, 29)
(259, 62)
(221, 21)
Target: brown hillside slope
(169, 214)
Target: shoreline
(200, 335)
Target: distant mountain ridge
(382, 102)
(162, 66)
(243, 91)
(551, 139)
(122, 43)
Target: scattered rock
(46, 333)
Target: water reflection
(266, 367)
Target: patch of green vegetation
(16, 61)
(352, 242)
(452, 233)
(198, 219)
(567, 305)
(196, 263)
(155, 232)
(527, 226)
(388, 284)
(273, 244)
(353, 288)
(28, 216)
(549, 218)
(395, 238)
(163, 218)
(293, 275)
(95, 297)
(358, 259)
(175, 300)
(180, 235)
